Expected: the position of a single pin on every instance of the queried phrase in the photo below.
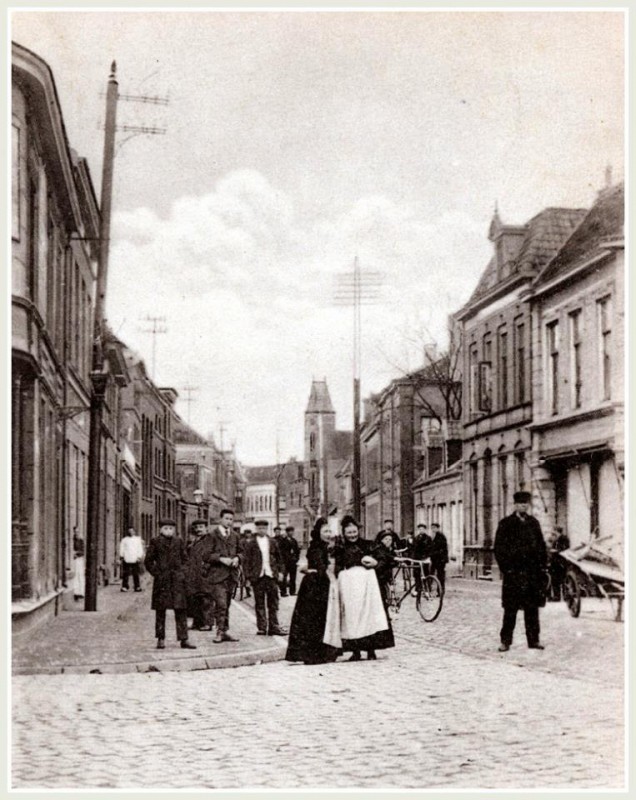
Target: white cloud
(246, 290)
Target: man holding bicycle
(422, 549)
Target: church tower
(320, 426)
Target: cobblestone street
(443, 709)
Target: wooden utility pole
(357, 289)
(98, 376)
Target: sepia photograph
(317, 399)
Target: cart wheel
(572, 594)
(429, 601)
(618, 616)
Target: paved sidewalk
(119, 637)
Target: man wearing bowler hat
(522, 557)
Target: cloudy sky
(296, 141)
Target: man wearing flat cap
(522, 557)
(291, 554)
(263, 565)
(167, 561)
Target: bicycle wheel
(429, 600)
(393, 606)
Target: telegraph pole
(98, 376)
(357, 289)
(156, 329)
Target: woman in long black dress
(307, 630)
(364, 622)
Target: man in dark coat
(262, 565)
(283, 548)
(166, 561)
(199, 585)
(223, 576)
(439, 554)
(522, 557)
(422, 548)
(291, 556)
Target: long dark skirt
(377, 641)
(381, 639)
(308, 623)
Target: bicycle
(240, 586)
(428, 597)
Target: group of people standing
(199, 578)
(343, 599)
(341, 606)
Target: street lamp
(198, 499)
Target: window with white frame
(552, 352)
(604, 316)
(575, 357)
(520, 362)
(502, 370)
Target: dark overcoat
(223, 547)
(199, 565)
(422, 546)
(166, 560)
(293, 551)
(439, 550)
(253, 560)
(522, 558)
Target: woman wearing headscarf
(314, 634)
(364, 624)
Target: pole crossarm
(145, 98)
(156, 329)
(189, 390)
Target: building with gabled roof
(578, 447)
(495, 326)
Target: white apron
(361, 608)
(332, 623)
